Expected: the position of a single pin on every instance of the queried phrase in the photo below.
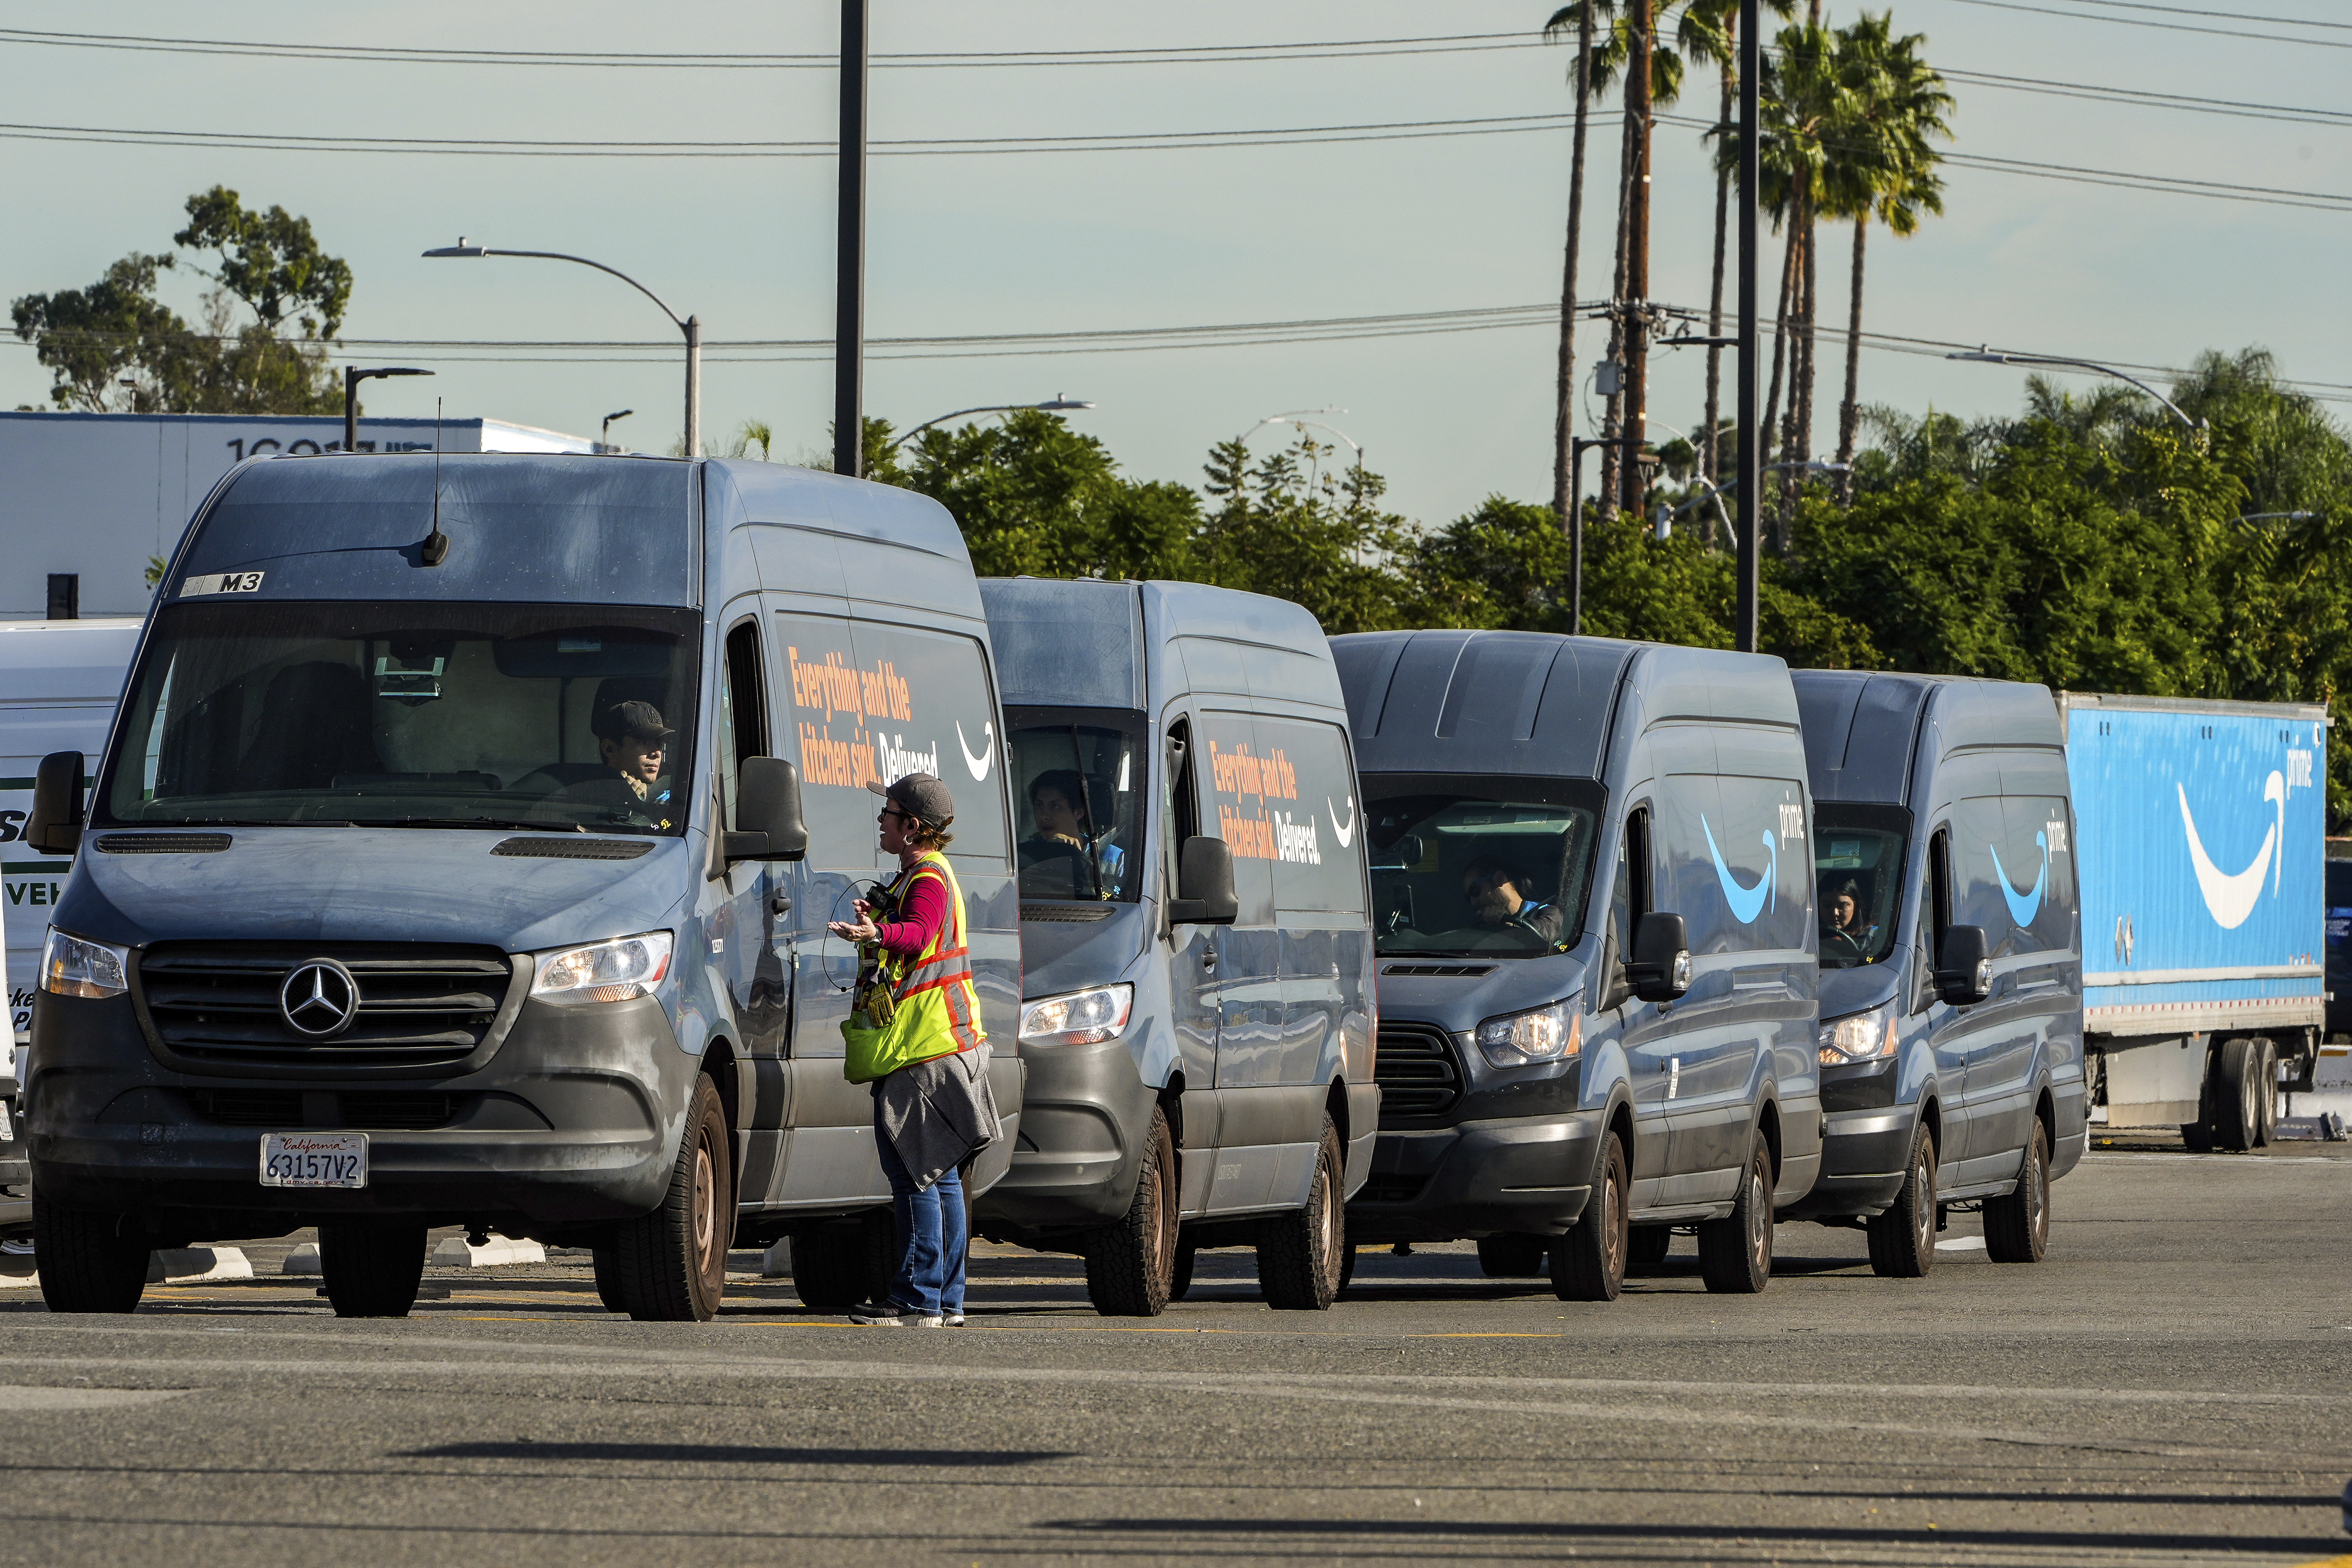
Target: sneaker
(890, 1315)
(951, 1320)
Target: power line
(2145, 98)
(1200, 54)
(2213, 15)
(2168, 26)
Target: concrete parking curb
(303, 1259)
(776, 1263)
(177, 1264)
(458, 1251)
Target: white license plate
(314, 1159)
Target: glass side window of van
(1078, 783)
(742, 711)
(410, 715)
(1858, 854)
(1493, 867)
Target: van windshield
(1858, 873)
(399, 715)
(1079, 777)
(1492, 867)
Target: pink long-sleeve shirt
(926, 912)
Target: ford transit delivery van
(462, 855)
(1198, 1021)
(1593, 909)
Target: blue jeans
(930, 1236)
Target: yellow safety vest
(938, 1007)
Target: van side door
(1645, 1033)
(1948, 1027)
(2029, 926)
(1194, 999)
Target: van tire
(608, 1278)
(1180, 1278)
(2236, 1119)
(1347, 1267)
(1646, 1247)
(1131, 1262)
(85, 1262)
(370, 1268)
(832, 1267)
(1735, 1253)
(1902, 1239)
(1588, 1264)
(2016, 1227)
(1513, 1256)
(671, 1265)
(1300, 1253)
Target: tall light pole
(1057, 403)
(605, 431)
(1751, 454)
(1576, 449)
(1296, 418)
(849, 254)
(2055, 361)
(352, 376)
(691, 326)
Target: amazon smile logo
(2231, 896)
(1746, 903)
(2023, 908)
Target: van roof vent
(573, 848)
(162, 843)
(1449, 971)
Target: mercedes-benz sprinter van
(1593, 909)
(462, 855)
(1951, 1034)
(1198, 1022)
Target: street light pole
(1987, 356)
(605, 431)
(1575, 522)
(352, 376)
(1751, 455)
(691, 326)
(1057, 405)
(849, 253)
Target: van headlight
(1541, 1035)
(617, 970)
(1077, 1018)
(73, 967)
(1859, 1038)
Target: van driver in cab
(633, 741)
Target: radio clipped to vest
(873, 997)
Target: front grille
(396, 1112)
(1418, 1069)
(250, 1106)
(1381, 1189)
(420, 1006)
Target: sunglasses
(888, 812)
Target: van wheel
(1588, 1264)
(1512, 1257)
(1131, 1262)
(2016, 1227)
(1298, 1254)
(1180, 1278)
(370, 1268)
(1902, 1239)
(671, 1265)
(832, 1267)
(85, 1262)
(2236, 1118)
(608, 1277)
(1346, 1266)
(1735, 1253)
(1646, 1247)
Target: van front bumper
(574, 1119)
(1477, 1178)
(1084, 1113)
(1863, 1153)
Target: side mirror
(768, 807)
(1204, 885)
(1660, 969)
(55, 825)
(1964, 969)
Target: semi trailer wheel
(1298, 1254)
(2236, 1114)
(1131, 1262)
(2266, 1083)
(370, 1268)
(85, 1261)
(1902, 1239)
(1735, 1253)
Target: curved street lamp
(352, 376)
(2054, 362)
(691, 326)
(1057, 403)
(605, 431)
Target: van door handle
(781, 904)
(1208, 960)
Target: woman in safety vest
(916, 1037)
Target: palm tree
(1580, 17)
(1899, 106)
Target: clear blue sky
(1130, 240)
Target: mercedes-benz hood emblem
(318, 999)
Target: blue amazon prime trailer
(2202, 838)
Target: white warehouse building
(88, 499)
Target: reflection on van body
(1942, 807)
(493, 889)
(1538, 809)
(1199, 1076)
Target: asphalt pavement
(2169, 1387)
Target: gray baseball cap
(918, 795)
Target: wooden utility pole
(849, 253)
(1637, 267)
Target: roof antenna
(436, 544)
